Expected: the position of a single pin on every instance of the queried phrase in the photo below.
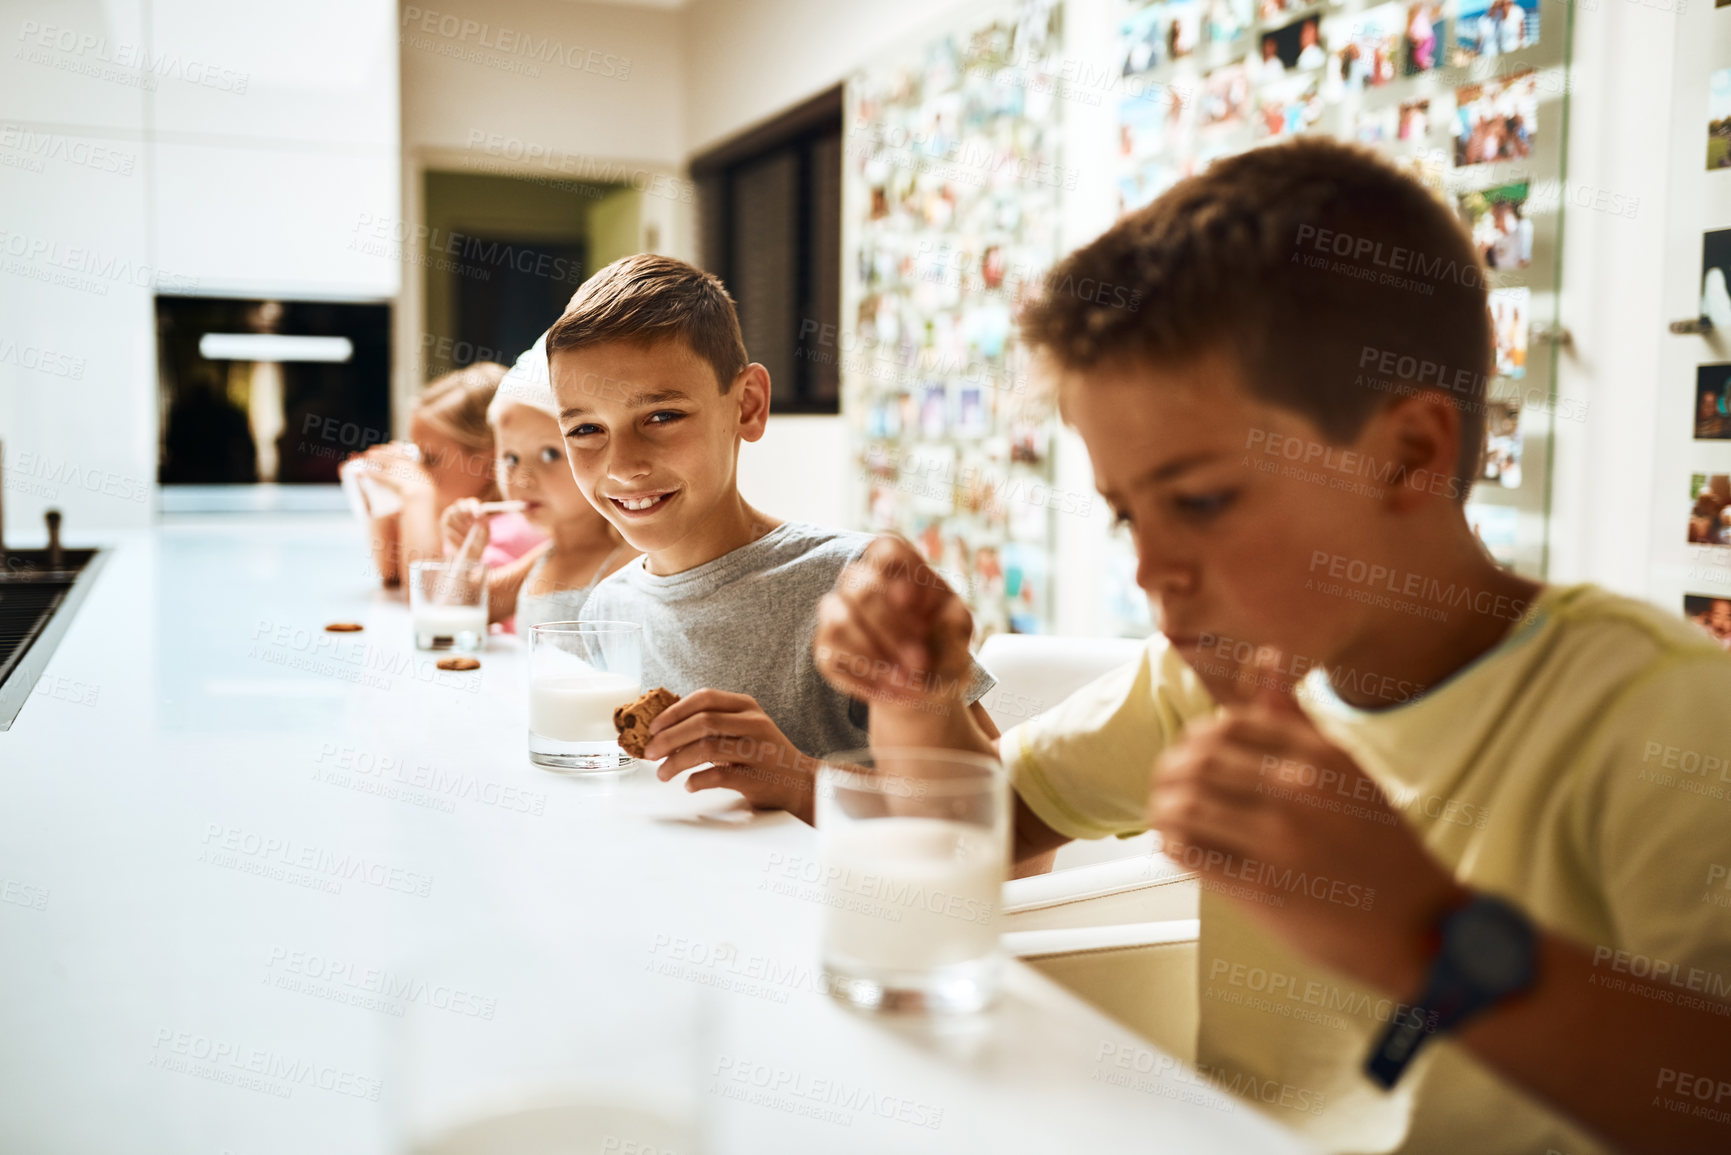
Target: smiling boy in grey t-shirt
(655, 396)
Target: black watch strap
(1487, 954)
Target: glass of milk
(550, 1046)
(915, 847)
(579, 673)
(448, 605)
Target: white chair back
(1037, 671)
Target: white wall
(173, 145)
(598, 81)
(797, 470)
(1696, 201)
(263, 172)
(1081, 551)
(1611, 297)
(559, 92)
(750, 59)
(75, 278)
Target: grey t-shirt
(744, 623)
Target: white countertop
(272, 891)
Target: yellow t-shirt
(1581, 768)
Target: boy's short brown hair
(1333, 280)
(647, 299)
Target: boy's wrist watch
(1488, 954)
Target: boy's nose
(1158, 574)
(628, 463)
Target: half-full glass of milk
(579, 673)
(448, 605)
(915, 846)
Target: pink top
(510, 536)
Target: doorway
(503, 255)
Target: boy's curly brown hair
(1334, 280)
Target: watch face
(1492, 946)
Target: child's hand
(1279, 818)
(396, 466)
(460, 517)
(893, 632)
(749, 752)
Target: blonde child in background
(448, 458)
(550, 583)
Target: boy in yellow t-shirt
(1463, 839)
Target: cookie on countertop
(633, 718)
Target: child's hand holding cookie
(747, 752)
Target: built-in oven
(261, 400)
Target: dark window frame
(815, 385)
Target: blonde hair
(456, 404)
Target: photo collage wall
(955, 184)
(1709, 516)
(1465, 93)
(951, 190)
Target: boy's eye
(585, 430)
(1205, 504)
(549, 455)
(510, 460)
(664, 416)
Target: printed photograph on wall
(1712, 614)
(1160, 34)
(1294, 48)
(1367, 48)
(1719, 119)
(1713, 403)
(1288, 105)
(1425, 31)
(1498, 221)
(1225, 97)
(1510, 309)
(1228, 20)
(1414, 120)
(1710, 509)
(1486, 28)
(1502, 462)
(1496, 120)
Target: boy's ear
(1423, 436)
(751, 387)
